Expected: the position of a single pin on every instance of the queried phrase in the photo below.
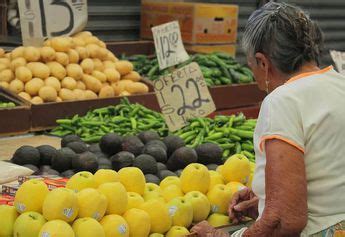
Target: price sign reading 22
(183, 95)
(197, 102)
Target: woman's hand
(204, 229)
(244, 203)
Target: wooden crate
(15, 120)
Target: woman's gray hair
(285, 34)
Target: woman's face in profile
(259, 73)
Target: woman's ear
(262, 62)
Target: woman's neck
(280, 79)
(305, 68)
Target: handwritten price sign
(42, 19)
(339, 60)
(183, 95)
(168, 43)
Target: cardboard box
(207, 48)
(6, 200)
(52, 181)
(200, 23)
(9, 189)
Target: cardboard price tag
(42, 19)
(182, 95)
(339, 60)
(168, 43)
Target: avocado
(103, 161)
(165, 173)
(212, 166)
(46, 153)
(209, 153)
(158, 143)
(69, 138)
(178, 172)
(63, 160)
(78, 147)
(147, 136)
(150, 178)
(94, 148)
(146, 163)
(156, 152)
(26, 155)
(181, 158)
(101, 155)
(173, 143)
(67, 173)
(44, 168)
(51, 172)
(75, 162)
(87, 162)
(35, 169)
(133, 145)
(110, 143)
(121, 160)
(105, 167)
(161, 166)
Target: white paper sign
(339, 60)
(42, 19)
(168, 43)
(183, 95)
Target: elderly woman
(299, 181)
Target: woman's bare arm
(285, 212)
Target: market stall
(86, 148)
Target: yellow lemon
(195, 177)
(169, 181)
(62, 204)
(216, 178)
(106, 176)
(87, 227)
(81, 180)
(159, 215)
(133, 179)
(181, 211)
(171, 191)
(217, 220)
(115, 226)
(117, 197)
(177, 231)
(236, 168)
(139, 222)
(28, 224)
(30, 196)
(8, 216)
(201, 205)
(56, 228)
(134, 200)
(235, 187)
(92, 203)
(219, 197)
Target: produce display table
(8, 145)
